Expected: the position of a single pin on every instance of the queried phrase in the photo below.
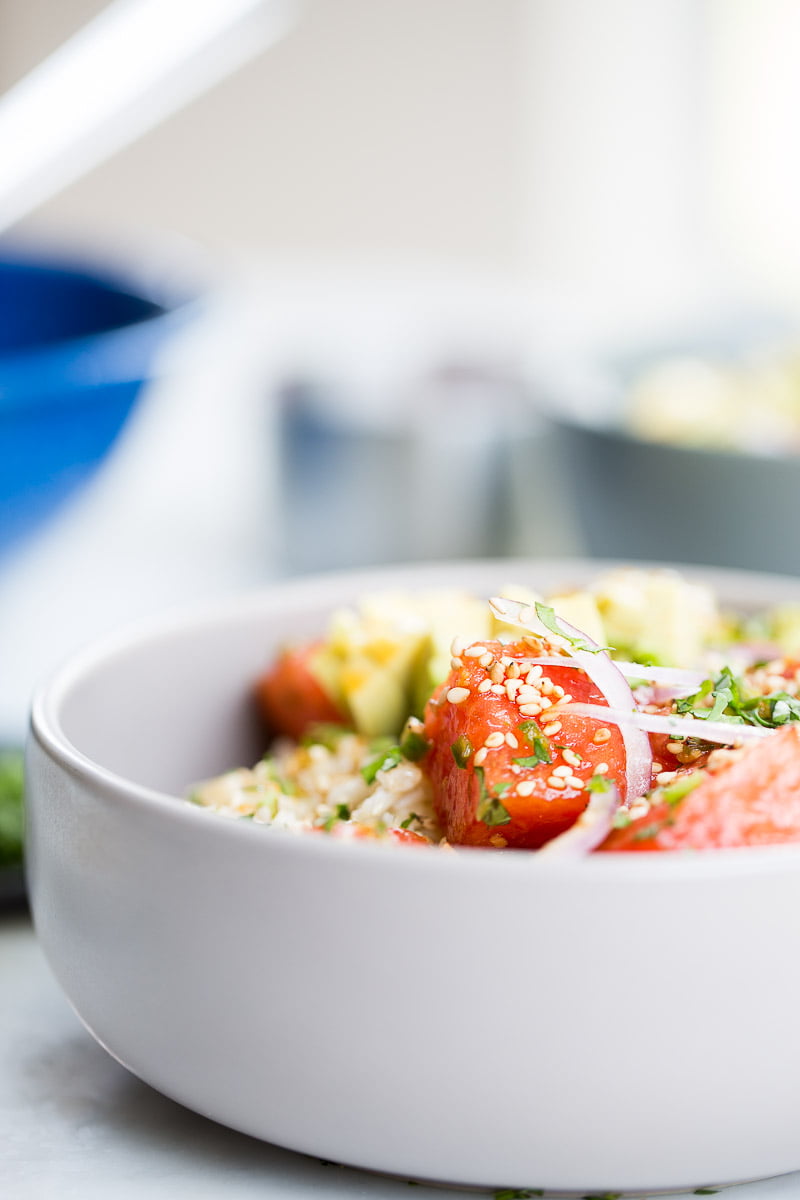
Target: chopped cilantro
(413, 743)
(384, 758)
(537, 741)
(490, 810)
(324, 733)
(501, 787)
(547, 616)
(340, 813)
(462, 751)
(705, 1191)
(598, 783)
(673, 793)
(731, 703)
(409, 821)
(517, 1193)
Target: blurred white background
(401, 199)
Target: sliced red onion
(591, 828)
(601, 669)
(672, 677)
(726, 733)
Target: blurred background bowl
(687, 450)
(76, 345)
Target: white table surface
(75, 1125)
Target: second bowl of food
(403, 869)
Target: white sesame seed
(485, 685)
(457, 646)
(558, 690)
(657, 766)
(497, 672)
(486, 659)
(574, 781)
(601, 735)
(456, 662)
(601, 769)
(552, 728)
(513, 670)
(475, 651)
(498, 689)
(534, 672)
(530, 710)
(674, 747)
(557, 782)
(512, 687)
(569, 756)
(639, 809)
(665, 776)
(457, 695)
(547, 687)
(525, 788)
(528, 695)
(545, 703)
(494, 740)
(563, 771)
(566, 698)
(479, 757)
(512, 741)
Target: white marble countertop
(77, 1126)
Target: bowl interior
(165, 705)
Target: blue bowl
(75, 349)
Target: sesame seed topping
(475, 651)
(558, 690)
(556, 781)
(563, 771)
(494, 740)
(530, 710)
(479, 757)
(601, 735)
(485, 685)
(601, 769)
(574, 782)
(512, 670)
(565, 698)
(498, 689)
(545, 703)
(525, 788)
(457, 646)
(512, 687)
(456, 662)
(552, 728)
(497, 672)
(534, 672)
(528, 695)
(665, 776)
(511, 741)
(569, 756)
(674, 747)
(486, 659)
(547, 687)
(457, 695)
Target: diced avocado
(377, 700)
(784, 627)
(580, 610)
(656, 615)
(447, 615)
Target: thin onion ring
(591, 828)
(604, 673)
(725, 733)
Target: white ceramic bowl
(619, 1023)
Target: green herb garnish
(11, 807)
(384, 759)
(340, 813)
(490, 810)
(462, 751)
(537, 741)
(324, 733)
(547, 616)
(413, 743)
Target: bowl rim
(46, 731)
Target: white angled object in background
(123, 73)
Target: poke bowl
(569, 1020)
